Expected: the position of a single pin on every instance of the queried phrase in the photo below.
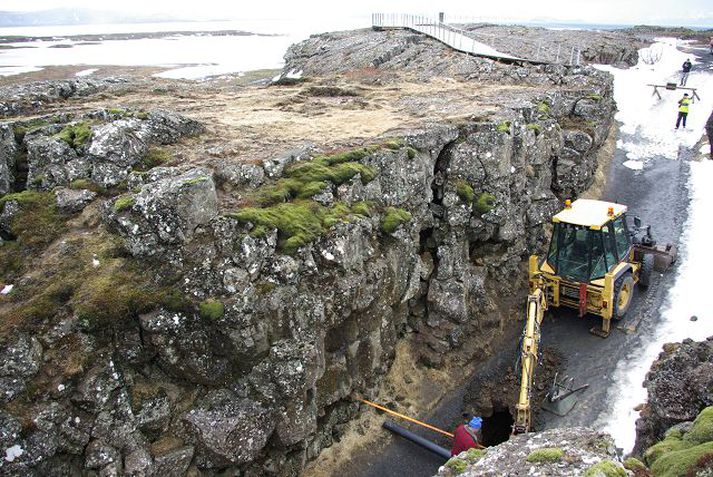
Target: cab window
(621, 237)
(609, 246)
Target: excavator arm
(536, 307)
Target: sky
(663, 12)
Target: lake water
(189, 54)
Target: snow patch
(6, 289)
(12, 453)
(88, 72)
(648, 122)
(634, 165)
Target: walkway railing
(456, 38)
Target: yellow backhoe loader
(592, 264)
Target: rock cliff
(209, 317)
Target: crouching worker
(467, 435)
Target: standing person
(467, 435)
(686, 67)
(683, 110)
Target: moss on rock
(677, 463)
(394, 218)
(473, 455)
(485, 203)
(123, 203)
(76, 135)
(546, 454)
(702, 429)
(465, 191)
(633, 463)
(36, 225)
(457, 465)
(211, 309)
(605, 468)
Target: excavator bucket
(561, 397)
(560, 407)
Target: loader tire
(623, 294)
(647, 270)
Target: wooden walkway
(449, 35)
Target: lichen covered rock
(680, 386)
(556, 452)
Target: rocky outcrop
(680, 386)
(23, 98)
(102, 147)
(367, 53)
(555, 452)
(561, 46)
(247, 324)
(8, 159)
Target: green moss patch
(504, 127)
(671, 443)
(702, 429)
(121, 291)
(473, 455)
(124, 203)
(543, 108)
(545, 454)
(298, 223)
(632, 463)
(36, 225)
(465, 191)
(457, 465)
(76, 135)
(534, 127)
(605, 468)
(394, 218)
(678, 462)
(155, 156)
(362, 208)
(87, 184)
(211, 309)
(307, 179)
(485, 203)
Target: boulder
(680, 386)
(167, 127)
(70, 201)
(227, 430)
(115, 148)
(561, 452)
(52, 162)
(173, 463)
(187, 348)
(165, 213)
(20, 360)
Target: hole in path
(497, 428)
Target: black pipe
(425, 443)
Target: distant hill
(77, 16)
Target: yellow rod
(410, 419)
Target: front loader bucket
(665, 258)
(561, 407)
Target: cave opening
(497, 427)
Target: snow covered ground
(647, 134)
(648, 123)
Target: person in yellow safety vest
(683, 110)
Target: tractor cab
(590, 264)
(583, 252)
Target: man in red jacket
(467, 435)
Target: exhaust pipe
(425, 443)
